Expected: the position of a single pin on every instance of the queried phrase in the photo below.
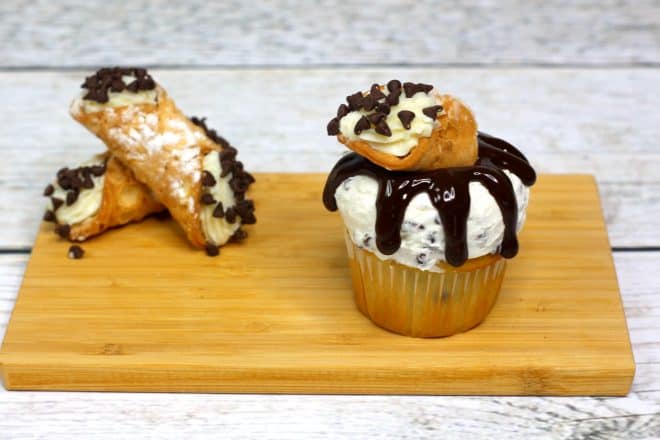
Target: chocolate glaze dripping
(448, 190)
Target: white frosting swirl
(88, 201)
(402, 140)
(422, 234)
(218, 230)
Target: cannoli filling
(390, 119)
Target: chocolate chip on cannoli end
(228, 153)
(383, 129)
(212, 250)
(393, 85)
(355, 101)
(48, 191)
(369, 102)
(411, 89)
(393, 98)
(72, 197)
(383, 108)
(245, 209)
(432, 111)
(230, 215)
(97, 170)
(237, 236)
(361, 125)
(333, 127)
(342, 111)
(207, 199)
(219, 211)
(208, 179)
(57, 202)
(406, 117)
(76, 252)
(112, 80)
(49, 216)
(212, 134)
(376, 93)
(63, 231)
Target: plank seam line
(320, 66)
(587, 419)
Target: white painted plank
(75, 33)
(598, 121)
(112, 415)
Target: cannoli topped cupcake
(431, 207)
(190, 169)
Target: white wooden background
(575, 84)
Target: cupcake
(431, 208)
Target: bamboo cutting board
(144, 312)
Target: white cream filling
(115, 99)
(88, 202)
(422, 231)
(402, 140)
(218, 230)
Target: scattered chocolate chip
(393, 85)
(61, 172)
(228, 153)
(383, 128)
(207, 199)
(49, 190)
(56, 203)
(63, 230)
(87, 182)
(376, 93)
(237, 236)
(375, 118)
(432, 112)
(76, 252)
(368, 103)
(355, 101)
(406, 117)
(333, 127)
(219, 211)
(71, 197)
(393, 98)
(383, 108)
(230, 215)
(49, 216)
(212, 250)
(361, 125)
(342, 111)
(207, 178)
(411, 89)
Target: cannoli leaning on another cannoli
(190, 169)
(98, 195)
(407, 127)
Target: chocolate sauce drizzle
(448, 189)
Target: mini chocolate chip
(406, 117)
(368, 103)
(383, 128)
(361, 125)
(395, 84)
(355, 101)
(56, 202)
(212, 250)
(207, 178)
(49, 190)
(342, 111)
(376, 93)
(61, 172)
(133, 86)
(207, 199)
(248, 218)
(227, 167)
(393, 98)
(117, 85)
(49, 216)
(237, 236)
(375, 118)
(97, 170)
(432, 112)
(228, 153)
(63, 230)
(76, 252)
(383, 108)
(219, 211)
(424, 87)
(230, 215)
(410, 89)
(333, 127)
(87, 182)
(71, 197)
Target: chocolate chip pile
(381, 105)
(239, 183)
(110, 79)
(72, 181)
